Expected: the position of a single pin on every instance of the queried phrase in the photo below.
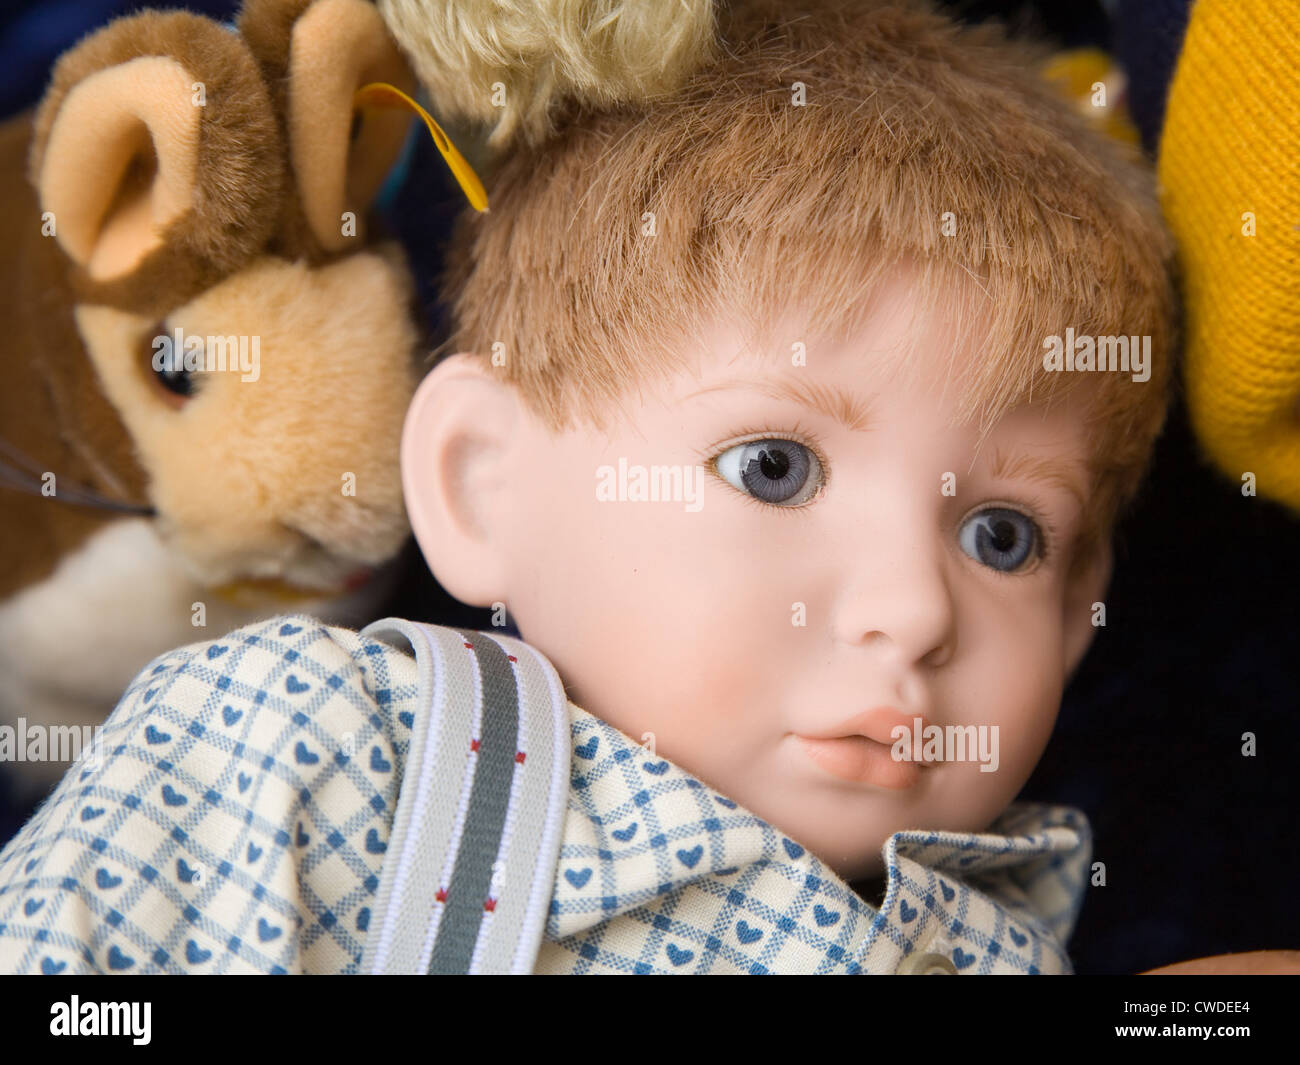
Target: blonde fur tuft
(516, 62)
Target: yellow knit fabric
(1231, 150)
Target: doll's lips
(860, 750)
(861, 761)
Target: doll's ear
(318, 53)
(156, 152)
(459, 444)
(1085, 590)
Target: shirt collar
(643, 835)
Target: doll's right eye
(784, 473)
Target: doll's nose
(901, 598)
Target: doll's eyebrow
(838, 404)
(1046, 471)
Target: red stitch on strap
(520, 756)
(441, 896)
(490, 905)
(470, 646)
(511, 658)
(473, 746)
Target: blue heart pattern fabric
(241, 817)
(705, 886)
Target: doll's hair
(761, 205)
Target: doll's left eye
(1000, 538)
(784, 473)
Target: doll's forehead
(842, 377)
(896, 334)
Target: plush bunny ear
(319, 53)
(156, 152)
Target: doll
(191, 437)
(818, 257)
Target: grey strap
(467, 877)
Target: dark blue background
(1201, 642)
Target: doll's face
(828, 582)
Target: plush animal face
(209, 192)
(283, 464)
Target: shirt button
(926, 965)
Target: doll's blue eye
(781, 472)
(1001, 539)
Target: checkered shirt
(238, 816)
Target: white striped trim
(539, 902)
(433, 714)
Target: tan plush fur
(48, 401)
(169, 208)
(338, 45)
(104, 128)
(291, 38)
(240, 168)
(249, 476)
(763, 207)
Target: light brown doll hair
(760, 205)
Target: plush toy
(1227, 165)
(206, 359)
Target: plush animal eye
(176, 364)
(1002, 539)
(782, 472)
(178, 380)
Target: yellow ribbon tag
(381, 94)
